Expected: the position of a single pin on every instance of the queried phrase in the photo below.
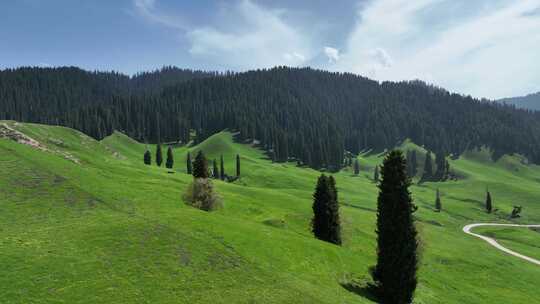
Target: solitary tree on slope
(221, 168)
(170, 159)
(334, 233)
(237, 165)
(489, 206)
(189, 164)
(147, 158)
(159, 155)
(397, 259)
(200, 193)
(326, 224)
(200, 166)
(356, 167)
(438, 205)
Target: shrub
(200, 194)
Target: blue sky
(486, 48)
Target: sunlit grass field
(88, 222)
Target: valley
(108, 228)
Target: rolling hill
(84, 221)
(312, 116)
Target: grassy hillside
(523, 240)
(85, 222)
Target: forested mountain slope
(531, 101)
(49, 95)
(308, 114)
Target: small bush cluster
(200, 194)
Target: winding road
(493, 242)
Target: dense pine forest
(293, 113)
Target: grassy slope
(523, 240)
(113, 230)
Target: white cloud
(147, 9)
(245, 36)
(492, 53)
(332, 54)
(486, 48)
(381, 57)
(294, 57)
(261, 39)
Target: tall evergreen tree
(321, 197)
(189, 164)
(397, 260)
(221, 168)
(428, 168)
(215, 170)
(170, 158)
(147, 158)
(159, 155)
(440, 159)
(200, 166)
(237, 165)
(356, 167)
(334, 222)
(489, 205)
(376, 174)
(438, 204)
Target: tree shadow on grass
(365, 290)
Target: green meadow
(85, 221)
(523, 240)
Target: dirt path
(493, 242)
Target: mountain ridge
(530, 101)
(308, 115)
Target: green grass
(109, 229)
(523, 240)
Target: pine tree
(440, 159)
(147, 158)
(356, 167)
(397, 260)
(376, 174)
(428, 168)
(200, 193)
(321, 197)
(237, 165)
(489, 206)
(334, 223)
(216, 170)
(200, 166)
(438, 205)
(170, 158)
(221, 168)
(189, 164)
(159, 155)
